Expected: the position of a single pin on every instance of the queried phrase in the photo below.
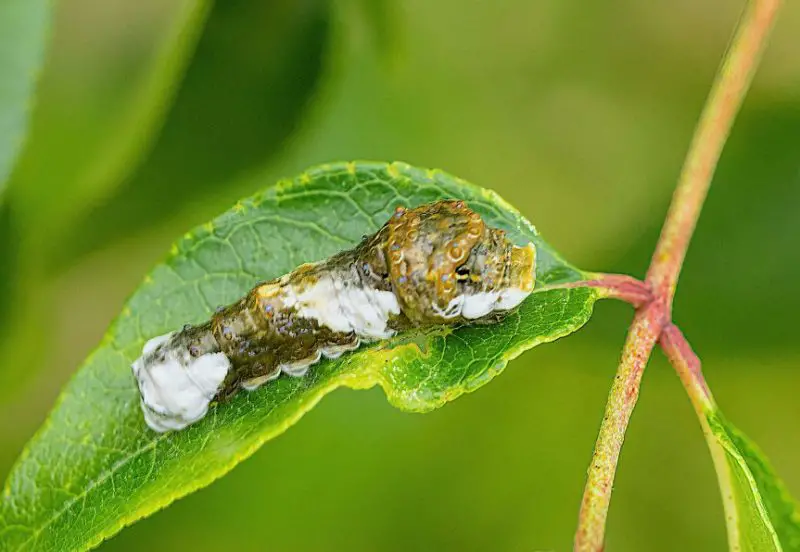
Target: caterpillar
(436, 264)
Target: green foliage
(120, 144)
(246, 90)
(95, 467)
(145, 119)
(87, 134)
(24, 27)
(762, 516)
(23, 34)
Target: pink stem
(686, 362)
(646, 327)
(712, 131)
(724, 101)
(614, 286)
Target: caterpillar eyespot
(433, 265)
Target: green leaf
(24, 29)
(94, 117)
(23, 33)
(99, 110)
(247, 89)
(94, 467)
(761, 515)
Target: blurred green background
(154, 116)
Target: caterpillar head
(445, 263)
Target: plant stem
(687, 365)
(725, 99)
(622, 398)
(722, 105)
(611, 286)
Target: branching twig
(611, 286)
(687, 365)
(654, 317)
(730, 88)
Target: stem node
(653, 320)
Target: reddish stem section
(681, 355)
(653, 317)
(624, 288)
(715, 124)
(613, 286)
(642, 338)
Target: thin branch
(687, 364)
(724, 101)
(611, 286)
(642, 337)
(712, 131)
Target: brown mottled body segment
(263, 336)
(435, 264)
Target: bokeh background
(154, 116)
